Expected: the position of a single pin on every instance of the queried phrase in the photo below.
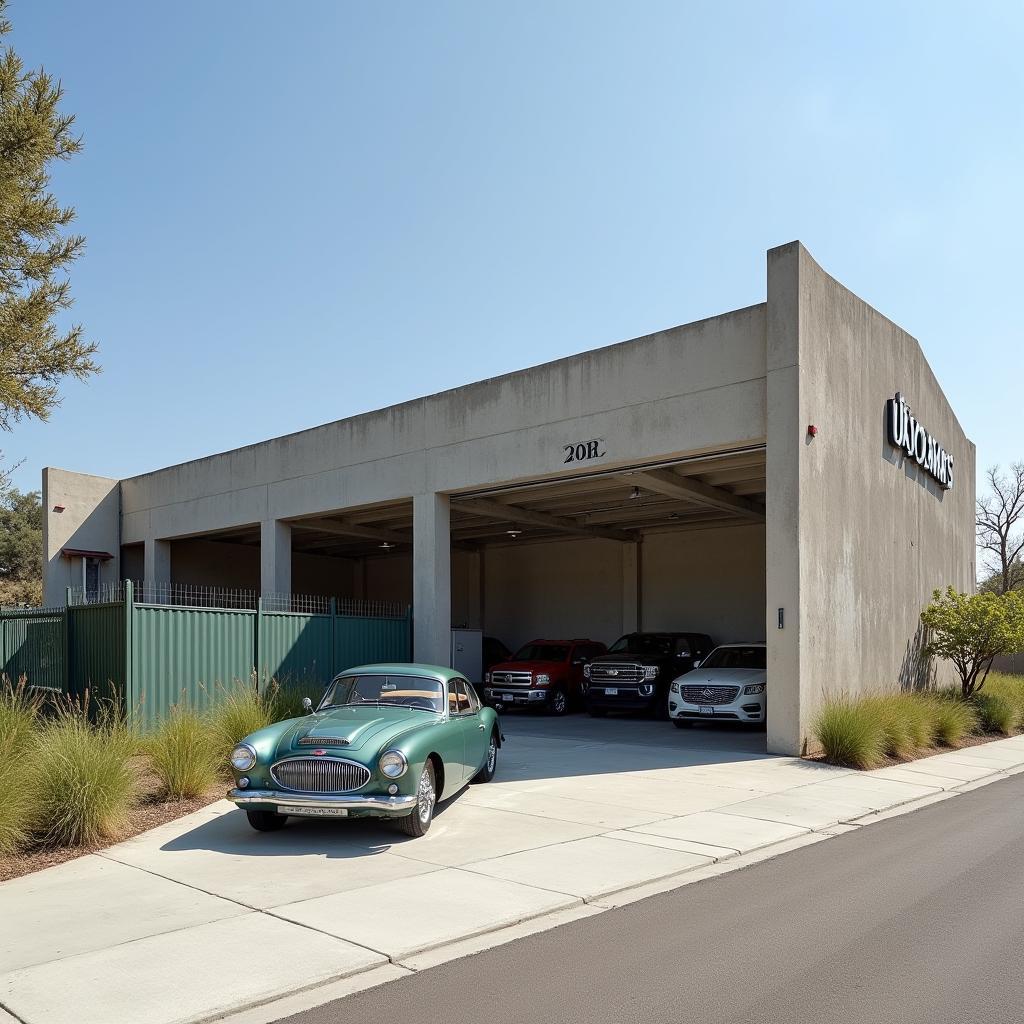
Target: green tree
(971, 630)
(21, 547)
(35, 250)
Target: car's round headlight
(393, 764)
(243, 757)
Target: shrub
(851, 733)
(996, 712)
(184, 754)
(19, 714)
(86, 781)
(284, 700)
(955, 719)
(237, 710)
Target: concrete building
(790, 471)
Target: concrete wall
(90, 521)
(865, 534)
(707, 581)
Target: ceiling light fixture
(385, 545)
(635, 493)
(513, 533)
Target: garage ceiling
(699, 493)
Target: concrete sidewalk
(203, 917)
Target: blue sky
(299, 212)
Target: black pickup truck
(638, 669)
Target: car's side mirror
(696, 664)
(307, 705)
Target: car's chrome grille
(319, 775)
(511, 678)
(616, 672)
(709, 694)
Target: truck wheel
(418, 823)
(558, 702)
(265, 821)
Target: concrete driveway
(203, 915)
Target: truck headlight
(650, 671)
(393, 764)
(754, 688)
(243, 757)
(542, 679)
(487, 677)
(586, 671)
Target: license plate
(707, 711)
(508, 697)
(314, 812)
(611, 691)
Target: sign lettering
(910, 436)
(583, 451)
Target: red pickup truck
(542, 674)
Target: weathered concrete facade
(665, 482)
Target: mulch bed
(150, 811)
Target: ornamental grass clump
(955, 719)
(184, 754)
(284, 700)
(851, 733)
(890, 713)
(995, 712)
(1009, 688)
(19, 724)
(86, 781)
(237, 711)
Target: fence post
(129, 669)
(333, 608)
(257, 636)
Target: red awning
(82, 553)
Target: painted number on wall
(584, 450)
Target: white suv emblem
(705, 693)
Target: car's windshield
(542, 652)
(736, 657)
(650, 644)
(376, 690)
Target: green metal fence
(154, 655)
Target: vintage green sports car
(385, 741)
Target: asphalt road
(917, 920)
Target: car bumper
(496, 695)
(745, 708)
(356, 803)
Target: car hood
(356, 732)
(720, 676)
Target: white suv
(729, 684)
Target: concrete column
(275, 557)
(157, 561)
(431, 579)
(782, 522)
(631, 616)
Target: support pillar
(275, 557)
(156, 561)
(431, 579)
(631, 616)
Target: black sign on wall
(906, 433)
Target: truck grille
(319, 775)
(616, 672)
(709, 694)
(511, 678)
